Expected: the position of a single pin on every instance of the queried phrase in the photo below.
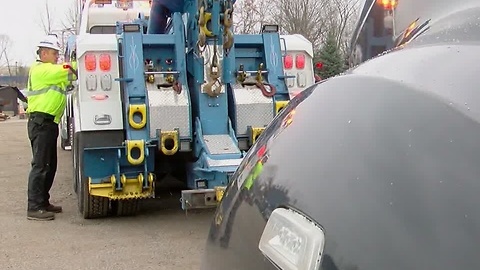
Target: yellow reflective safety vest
(47, 85)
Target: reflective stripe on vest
(50, 99)
(31, 92)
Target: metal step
(220, 144)
(212, 163)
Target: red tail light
(300, 61)
(90, 62)
(288, 62)
(105, 62)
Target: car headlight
(291, 241)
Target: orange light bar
(388, 4)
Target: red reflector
(105, 62)
(319, 65)
(288, 61)
(261, 152)
(90, 62)
(99, 97)
(65, 66)
(300, 61)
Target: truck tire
(126, 207)
(89, 206)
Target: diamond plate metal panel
(220, 144)
(168, 110)
(223, 162)
(252, 108)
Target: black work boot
(40, 215)
(54, 208)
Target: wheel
(126, 207)
(89, 206)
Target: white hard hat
(49, 41)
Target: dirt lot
(162, 236)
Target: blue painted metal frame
(209, 115)
(251, 50)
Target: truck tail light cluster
(90, 62)
(105, 62)
(299, 61)
(98, 62)
(301, 72)
(288, 61)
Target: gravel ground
(161, 236)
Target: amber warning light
(388, 4)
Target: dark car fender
(389, 170)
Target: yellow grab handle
(132, 145)
(169, 135)
(279, 105)
(137, 108)
(255, 133)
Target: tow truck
(188, 102)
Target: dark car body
(382, 162)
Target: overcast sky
(20, 20)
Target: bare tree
(315, 19)
(306, 17)
(46, 20)
(5, 43)
(65, 27)
(343, 23)
(71, 18)
(250, 15)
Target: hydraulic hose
(177, 87)
(264, 90)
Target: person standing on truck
(160, 11)
(47, 82)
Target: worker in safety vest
(47, 82)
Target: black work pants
(43, 134)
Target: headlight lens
(291, 241)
